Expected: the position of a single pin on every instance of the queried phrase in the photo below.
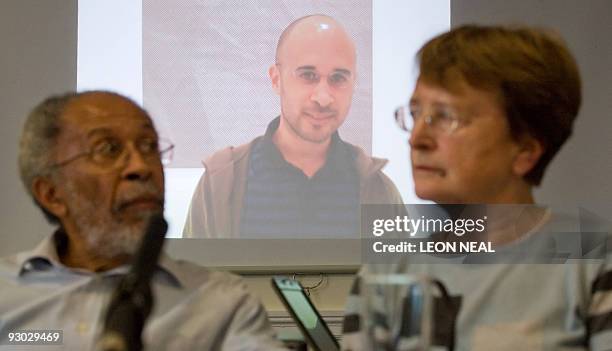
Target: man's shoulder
(377, 187)
(9, 260)
(8, 265)
(198, 276)
(12, 264)
(228, 156)
(366, 164)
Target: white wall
(38, 58)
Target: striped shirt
(281, 201)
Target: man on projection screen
(298, 180)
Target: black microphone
(132, 300)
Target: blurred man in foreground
(491, 108)
(300, 179)
(93, 163)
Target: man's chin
(318, 140)
(135, 215)
(116, 240)
(316, 136)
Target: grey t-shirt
(509, 305)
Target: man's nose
(322, 94)
(136, 166)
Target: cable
(309, 288)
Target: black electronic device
(305, 314)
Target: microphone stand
(132, 300)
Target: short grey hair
(39, 137)
(38, 140)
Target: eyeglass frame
(350, 80)
(429, 120)
(91, 152)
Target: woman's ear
(529, 153)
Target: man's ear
(45, 192)
(530, 152)
(274, 74)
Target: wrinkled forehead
(102, 110)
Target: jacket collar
(367, 166)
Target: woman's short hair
(531, 70)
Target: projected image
(272, 141)
(205, 69)
(219, 75)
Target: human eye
(107, 149)
(148, 146)
(443, 116)
(308, 76)
(338, 79)
(414, 111)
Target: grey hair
(38, 140)
(39, 136)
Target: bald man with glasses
(298, 180)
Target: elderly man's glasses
(106, 152)
(440, 120)
(310, 76)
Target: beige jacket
(217, 201)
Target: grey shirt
(280, 201)
(195, 309)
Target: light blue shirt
(195, 309)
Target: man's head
(314, 75)
(514, 92)
(91, 161)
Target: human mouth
(141, 203)
(428, 170)
(319, 117)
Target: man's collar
(273, 156)
(46, 256)
(273, 126)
